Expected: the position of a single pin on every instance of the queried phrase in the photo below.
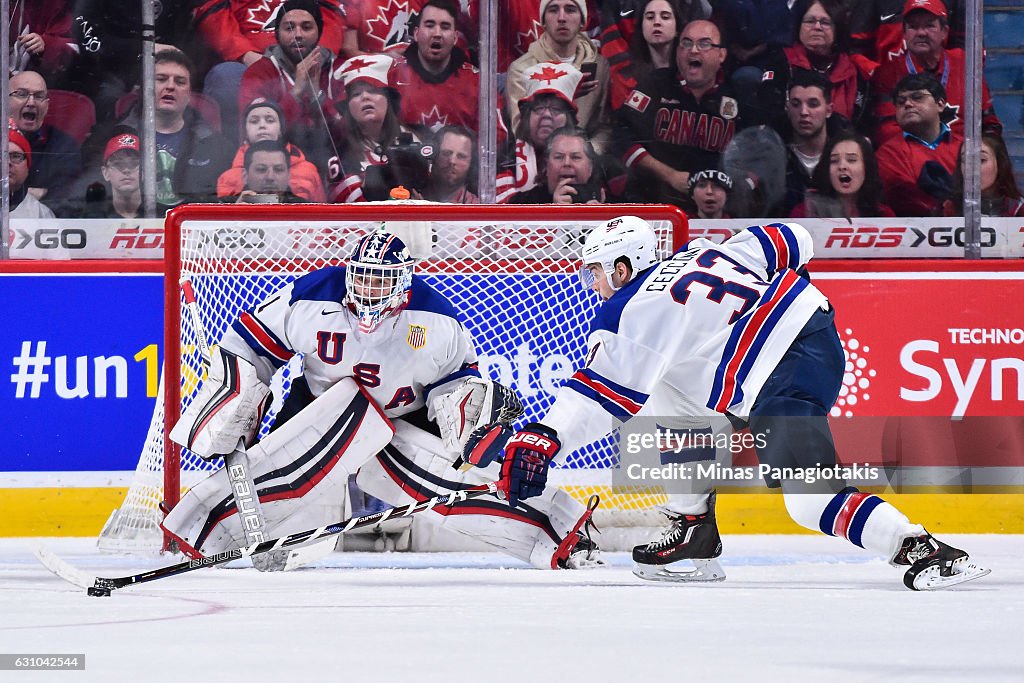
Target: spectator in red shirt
(926, 29)
(298, 75)
(439, 87)
(1000, 195)
(847, 183)
(41, 38)
(241, 31)
(876, 31)
(819, 47)
(917, 166)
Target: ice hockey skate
(935, 565)
(686, 551)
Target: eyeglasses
(702, 45)
(915, 97)
(553, 109)
(17, 157)
(824, 23)
(22, 94)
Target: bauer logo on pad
(417, 336)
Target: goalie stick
(236, 463)
(102, 586)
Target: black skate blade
(931, 579)
(701, 571)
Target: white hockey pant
(415, 466)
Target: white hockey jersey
(705, 327)
(421, 350)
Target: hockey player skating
(389, 389)
(730, 329)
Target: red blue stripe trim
(262, 340)
(618, 400)
(748, 338)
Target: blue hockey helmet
(378, 278)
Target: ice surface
(793, 608)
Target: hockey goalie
(389, 391)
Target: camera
(406, 162)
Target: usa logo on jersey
(417, 338)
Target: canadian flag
(637, 100)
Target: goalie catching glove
(475, 408)
(227, 408)
(524, 471)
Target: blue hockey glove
(485, 444)
(524, 471)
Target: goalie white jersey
(705, 327)
(422, 349)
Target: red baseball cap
(120, 142)
(936, 7)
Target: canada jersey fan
(421, 348)
(712, 323)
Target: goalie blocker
(227, 408)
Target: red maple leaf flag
(637, 100)
(548, 74)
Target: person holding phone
(572, 172)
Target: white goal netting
(510, 270)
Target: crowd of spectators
(858, 102)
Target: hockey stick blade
(60, 568)
(102, 586)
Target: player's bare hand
(244, 195)
(563, 192)
(33, 42)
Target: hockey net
(511, 271)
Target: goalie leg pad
(300, 470)
(227, 408)
(415, 467)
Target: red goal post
(511, 271)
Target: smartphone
(589, 71)
(586, 192)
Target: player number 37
(717, 287)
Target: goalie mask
(378, 278)
(625, 236)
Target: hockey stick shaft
(102, 586)
(236, 463)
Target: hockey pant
(415, 466)
(790, 417)
(300, 470)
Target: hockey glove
(486, 444)
(524, 472)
